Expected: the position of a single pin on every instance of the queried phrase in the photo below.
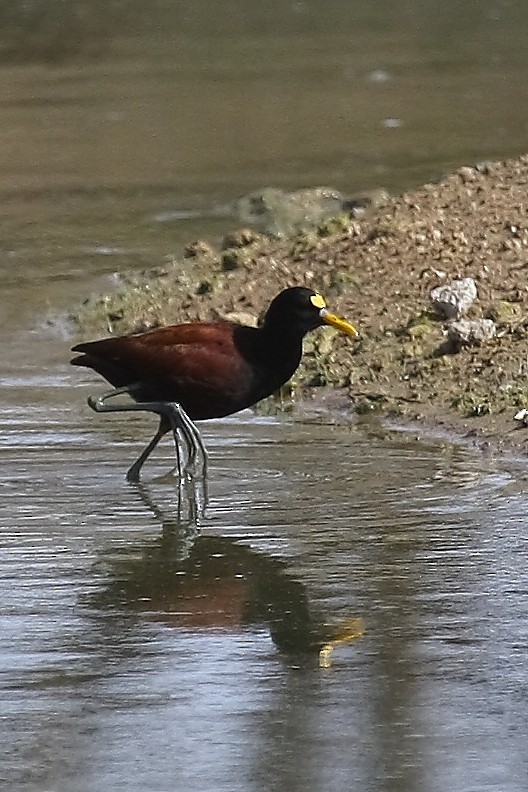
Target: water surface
(141, 652)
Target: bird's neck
(275, 353)
(280, 350)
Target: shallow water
(140, 651)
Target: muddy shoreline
(378, 270)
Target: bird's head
(301, 309)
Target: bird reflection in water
(197, 582)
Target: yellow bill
(318, 301)
(336, 321)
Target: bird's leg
(98, 404)
(172, 417)
(133, 471)
(181, 422)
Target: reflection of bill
(340, 634)
(216, 583)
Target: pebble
(471, 332)
(455, 298)
(467, 174)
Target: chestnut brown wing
(197, 365)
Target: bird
(202, 370)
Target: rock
(233, 258)
(324, 340)
(467, 174)
(240, 238)
(334, 225)
(239, 317)
(505, 312)
(358, 203)
(280, 213)
(199, 249)
(420, 330)
(205, 286)
(455, 298)
(471, 332)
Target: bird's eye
(318, 301)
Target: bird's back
(211, 369)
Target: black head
(298, 310)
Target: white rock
(471, 332)
(455, 298)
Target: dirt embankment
(378, 270)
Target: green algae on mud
(377, 270)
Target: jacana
(192, 372)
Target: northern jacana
(192, 372)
